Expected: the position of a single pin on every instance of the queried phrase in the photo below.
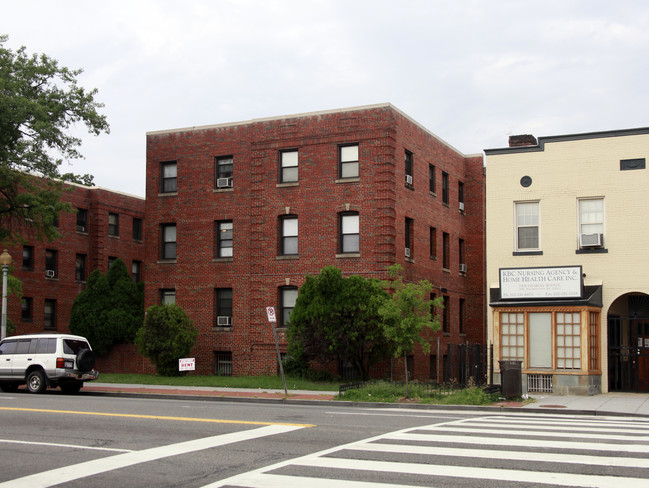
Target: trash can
(511, 382)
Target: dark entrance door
(628, 354)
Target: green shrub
(167, 335)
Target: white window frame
(289, 235)
(348, 161)
(537, 225)
(581, 223)
(289, 163)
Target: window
(82, 220)
(224, 170)
(137, 229)
(288, 240)
(408, 160)
(433, 242)
(223, 307)
(288, 166)
(431, 178)
(527, 226)
(460, 195)
(446, 323)
(27, 309)
(461, 255)
(287, 298)
(169, 177)
(28, 257)
(80, 268)
(51, 263)
(512, 330)
(348, 161)
(591, 222)
(167, 297)
(446, 252)
(113, 224)
(568, 340)
(168, 232)
(461, 314)
(409, 226)
(136, 271)
(444, 188)
(49, 314)
(223, 363)
(349, 233)
(224, 239)
(111, 260)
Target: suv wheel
(85, 360)
(36, 382)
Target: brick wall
(257, 200)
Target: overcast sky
(471, 71)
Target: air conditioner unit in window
(590, 240)
(223, 320)
(407, 252)
(461, 206)
(409, 179)
(462, 268)
(224, 182)
(50, 273)
(81, 228)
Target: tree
(110, 310)
(407, 314)
(167, 335)
(40, 101)
(339, 317)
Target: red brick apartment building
(107, 225)
(237, 214)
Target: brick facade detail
(381, 195)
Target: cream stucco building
(568, 260)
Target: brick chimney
(522, 140)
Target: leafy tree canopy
(167, 335)
(407, 314)
(40, 101)
(110, 310)
(337, 317)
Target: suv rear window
(73, 346)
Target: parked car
(42, 360)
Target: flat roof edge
(567, 137)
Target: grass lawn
(264, 382)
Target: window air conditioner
(461, 206)
(223, 320)
(224, 182)
(590, 240)
(50, 273)
(407, 252)
(462, 268)
(409, 179)
(81, 228)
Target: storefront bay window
(558, 341)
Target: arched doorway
(628, 343)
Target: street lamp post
(5, 261)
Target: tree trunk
(405, 362)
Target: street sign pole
(272, 319)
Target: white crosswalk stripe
(511, 450)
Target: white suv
(43, 360)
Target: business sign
(556, 282)
(186, 364)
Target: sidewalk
(621, 404)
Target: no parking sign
(271, 314)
